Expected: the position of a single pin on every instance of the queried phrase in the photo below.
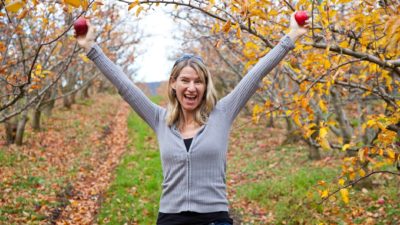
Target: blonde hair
(174, 110)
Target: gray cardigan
(194, 180)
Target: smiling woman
(193, 131)
(190, 87)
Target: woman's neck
(188, 120)
(188, 126)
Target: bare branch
(356, 181)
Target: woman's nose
(191, 86)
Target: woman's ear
(173, 83)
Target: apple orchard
(337, 91)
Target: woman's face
(189, 89)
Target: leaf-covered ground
(97, 163)
(59, 174)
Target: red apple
(80, 26)
(381, 201)
(301, 17)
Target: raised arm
(235, 100)
(146, 109)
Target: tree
(39, 56)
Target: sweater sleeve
(235, 101)
(142, 105)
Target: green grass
(285, 189)
(134, 194)
(86, 102)
(287, 193)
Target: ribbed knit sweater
(194, 180)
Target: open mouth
(190, 98)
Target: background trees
(41, 61)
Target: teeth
(190, 97)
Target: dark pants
(220, 223)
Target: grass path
(133, 196)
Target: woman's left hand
(296, 31)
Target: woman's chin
(189, 108)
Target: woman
(193, 131)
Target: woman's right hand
(88, 40)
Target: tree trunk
(73, 98)
(292, 136)
(66, 102)
(345, 127)
(101, 86)
(48, 108)
(85, 92)
(11, 131)
(21, 128)
(36, 119)
(271, 121)
(314, 153)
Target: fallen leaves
(59, 174)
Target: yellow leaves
(303, 87)
(74, 3)
(322, 137)
(15, 6)
(238, 32)
(23, 14)
(84, 4)
(309, 133)
(361, 154)
(211, 4)
(344, 44)
(216, 28)
(322, 105)
(341, 182)
(361, 172)
(251, 50)
(352, 175)
(323, 132)
(133, 4)
(2, 47)
(96, 5)
(345, 147)
(386, 137)
(138, 11)
(324, 144)
(256, 113)
(77, 3)
(392, 30)
(296, 119)
(391, 153)
(307, 47)
(327, 64)
(308, 130)
(227, 26)
(345, 195)
(324, 193)
(304, 103)
(84, 57)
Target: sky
(155, 61)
